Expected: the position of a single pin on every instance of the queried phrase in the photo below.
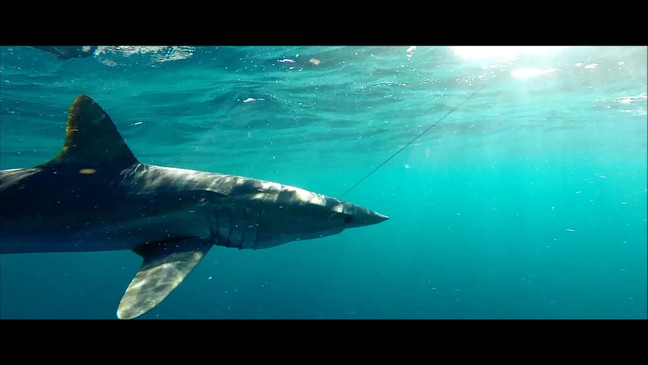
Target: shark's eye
(348, 218)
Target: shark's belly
(92, 234)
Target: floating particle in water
(569, 230)
(252, 99)
(314, 61)
(286, 60)
(110, 63)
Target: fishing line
(412, 141)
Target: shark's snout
(364, 217)
(379, 217)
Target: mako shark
(96, 196)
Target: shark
(95, 195)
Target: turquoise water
(528, 201)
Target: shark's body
(96, 196)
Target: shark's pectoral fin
(165, 266)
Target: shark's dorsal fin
(91, 137)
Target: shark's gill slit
(229, 225)
(243, 228)
(410, 142)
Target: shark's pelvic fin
(91, 137)
(165, 266)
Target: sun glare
(501, 52)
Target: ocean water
(528, 201)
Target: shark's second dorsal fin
(91, 137)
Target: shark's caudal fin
(165, 265)
(91, 137)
